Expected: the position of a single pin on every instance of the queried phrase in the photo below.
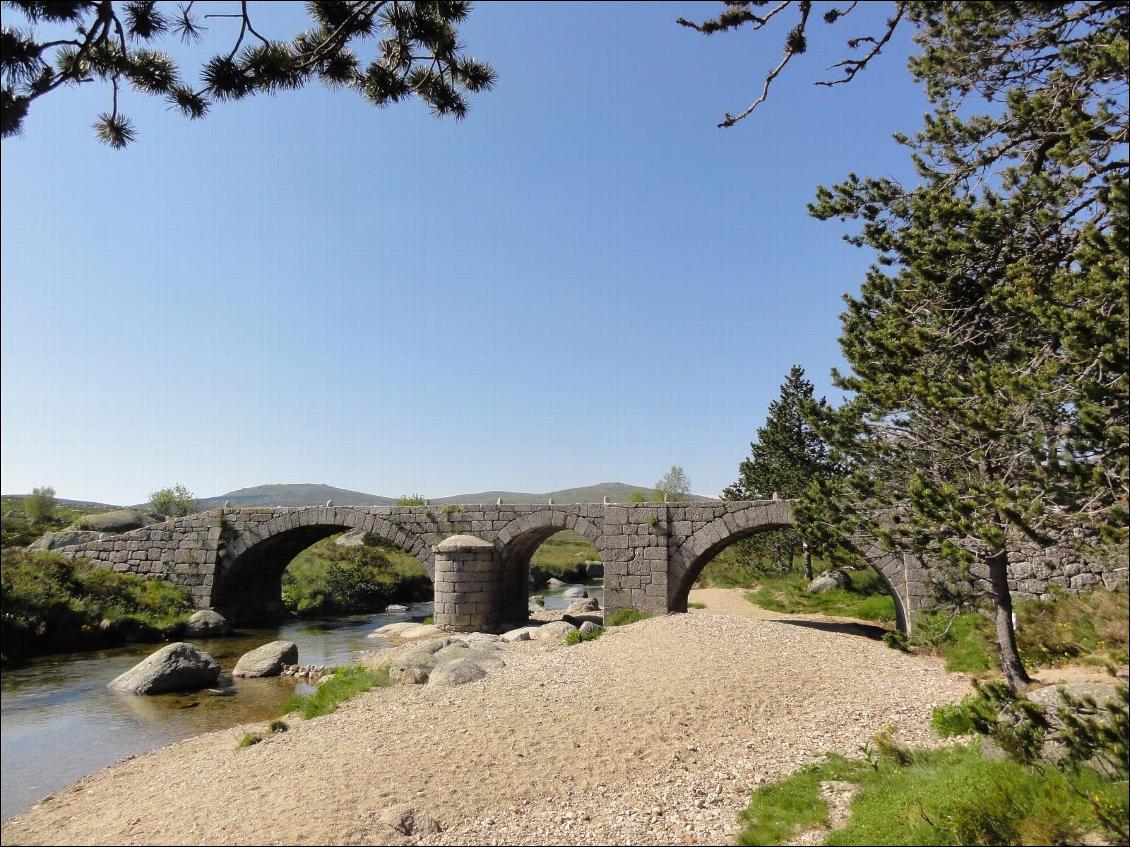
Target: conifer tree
(786, 458)
(415, 52)
(988, 356)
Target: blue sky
(583, 281)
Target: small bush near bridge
(53, 604)
(576, 636)
(625, 616)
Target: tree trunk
(1013, 668)
(807, 561)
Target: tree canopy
(674, 485)
(174, 502)
(413, 51)
(987, 393)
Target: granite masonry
(478, 556)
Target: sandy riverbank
(655, 733)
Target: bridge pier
(474, 591)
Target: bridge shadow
(871, 631)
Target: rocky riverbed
(655, 733)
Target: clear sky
(584, 281)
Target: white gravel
(655, 733)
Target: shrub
(576, 636)
(624, 616)
(174, 502)
(39, 506)
(248, 740)
(328, 578)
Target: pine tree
(786, 458)
(417, 53)
(988, 351)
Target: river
(59, 721)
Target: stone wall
(232, 559)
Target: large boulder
(407, 631)
(353, 538)
(456, 672)
(267, 660)
(119, 520)
(411, 668)
(552, 631)
(580, 607)
(588, 627)
(554, 582)
(176, 667)
(485, 660)
(64, 538)
(206, 623)
(834, 578)
(575, 591)
(520, 634)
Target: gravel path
(654, 734)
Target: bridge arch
(700, 547)
(247, 585)
(515, 544)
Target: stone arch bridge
(478, 557)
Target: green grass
(1091, 627)
(868, 599)
(54, 604)
(951, 795)
(625, 616)
(344, 684)
(696, 605)
(249, 740)
(576, 636)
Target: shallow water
(59, 721)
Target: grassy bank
(51, 604)
(1089, 628)
(868, 598)
(330, 579)
(952, 795)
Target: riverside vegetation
(54, 604)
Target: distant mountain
(301, 494)
(311, 494)
(90, 504)
(616, 492)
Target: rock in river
(205, 623)
(267, 660)
(177, 667)
(575, 591)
